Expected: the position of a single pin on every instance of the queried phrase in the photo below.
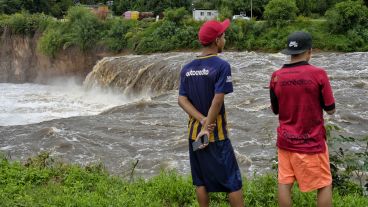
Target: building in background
(131, 15)
(205, 14)
(135, 15)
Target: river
(81, 124)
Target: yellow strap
(195, 129)
(189, 126)
(204, 57)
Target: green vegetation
(155, 6)
(42, 181)
(347, 164)
(275, 12)
(82, 29)
(344, 29)
(350, 18)
(25, 23)
(310, 8)
(347, 15)
(56, 8)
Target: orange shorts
(311, 171)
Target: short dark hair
(300, 54)
(297, 55)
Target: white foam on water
(7, 147)
(72, 140)
(23, 104)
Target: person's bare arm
(188, 107)
(215, 108)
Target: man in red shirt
(299, 93)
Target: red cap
(211, 30)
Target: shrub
(345, 163)
(116, 37)
(278, 12)
(175, 15)
(225, 13)
(186, 37)
(157, 38)
(19, 24)
(165, 30)
(347, 15)
(237, 33)
(51, 41)
(147, 45)
(83, 28)
(304, 6)
(10, 6)
(358, 39)
(25, 23)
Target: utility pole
(251, 9)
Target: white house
(205, 14)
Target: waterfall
(138, 74)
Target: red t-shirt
(299, 93)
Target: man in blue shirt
(203, 85)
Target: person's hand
(210, 127)
(203, 132)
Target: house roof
(205, 10)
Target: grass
(41, 181)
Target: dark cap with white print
(297, 43)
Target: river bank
(37, 47)
(84, 32)
(42, 181)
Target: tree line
(345, 29)
(58, 8)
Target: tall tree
(10, 6)
(304, 6)
(120, 6)
(55, 8)
(156, 6)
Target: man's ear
(309, 54)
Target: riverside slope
(21, 62)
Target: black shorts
(215, 167)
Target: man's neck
(209, 51)
(295, 60)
